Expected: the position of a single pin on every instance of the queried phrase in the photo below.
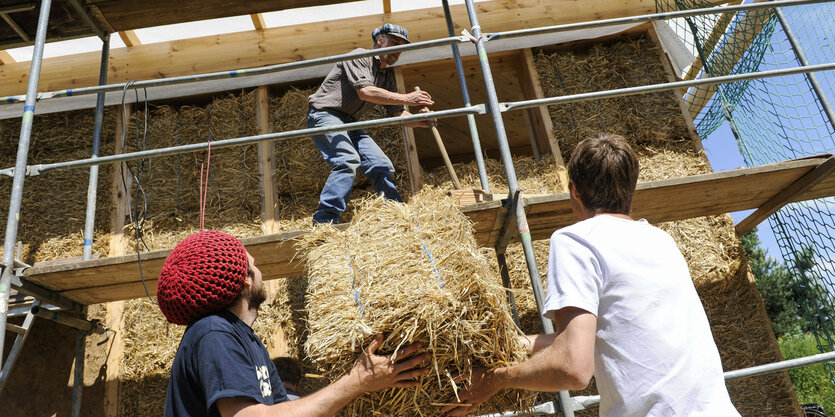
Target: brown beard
(257, 295)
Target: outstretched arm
(377, 95)
(371, 372)
(567, 363)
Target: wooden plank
(135, 14)
(258, 21)
(266, 164)
(680, 198)
(771, 206)
(117, 278)
(297, 42)
(678, 95)
(713, 39)
(5, 58)
(412, 159)
(121, 200)
(540, 117)
(129, 38)
(115, 352)
(734, 47)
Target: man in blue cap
(349, 90)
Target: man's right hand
(374, 372)
(418, 98)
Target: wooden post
(412, 161)
(539, 120)
(266, 164)
(678, 95)
(119, 245)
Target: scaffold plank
(117, 278)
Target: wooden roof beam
(129, 38)
(305, 41)
(6, 58)
(258, 21)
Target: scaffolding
(55, 306)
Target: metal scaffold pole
(801, 57)
(513, 185)
(20, 169)
(465, 93)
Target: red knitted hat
(204, 273)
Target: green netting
(774, 119)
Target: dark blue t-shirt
(220, 357)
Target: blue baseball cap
(393, 30)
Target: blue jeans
(347, 151)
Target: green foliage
(811, 383)
(776, 287)
(794, 299)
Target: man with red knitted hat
(210, 283)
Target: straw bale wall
(54, 203)
(170, 184)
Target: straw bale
(171, 183)
(53, 228)
(361, 284)
(534, 177)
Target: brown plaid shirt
(339, 90)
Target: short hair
(604, 169)
(289, 369)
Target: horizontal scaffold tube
(653, 88)
(247, 140)
(238, 73)
(650, 18)
(583, 402)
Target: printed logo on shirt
(263, 374)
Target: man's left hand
(482, 387)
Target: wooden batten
(118, 246)
(129, 38)
(678, 95)
(412, 161)
(266, 164)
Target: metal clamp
(470, 37)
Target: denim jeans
(347, 151)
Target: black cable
(137, 222)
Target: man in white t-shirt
(624, 304)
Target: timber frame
(70, 286)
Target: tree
(776, 287)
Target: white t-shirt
(654, 352)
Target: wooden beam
(258, 21)
(266, 163)
(713, 39)
(298, 42)
(5, 58)
(119, 242)
(136, 14)
(667, 200)
(122, 179)
(782, 198)
(733, 48)
(676, 94)
(129, 38)
(540, 118)
(386, 6)
(412, 158)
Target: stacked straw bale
(414, 273)
(54, 203)
(171, 183)
(301, 171)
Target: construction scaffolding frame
(51, 305)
